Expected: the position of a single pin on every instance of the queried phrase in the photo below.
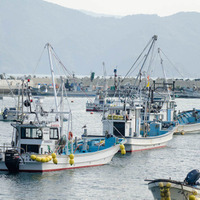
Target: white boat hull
(80, 160)
(188, 128)
(146, 143)
(8, 118)
(96, 108)
(178, 191)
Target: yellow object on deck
(43, 159)
(71, 156)
(38, 159)
(161, 184)
(33, 157)
(192, 197)
(50, 158)
(123, 151)
(71, 161)
(47, 159)
(122, 146)
(53, 155)
(165, 191)
(194, 192)
(168, 185)
(55, 161)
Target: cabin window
(31, 133)
(143, 118)
(172, 105)
(101, 102)
(119, 129)
(117, 112)
(29, 148)
(54, 134)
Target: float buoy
(53, 155)
(123, 151)
(192, 197)
(38, 159)
(122, 146)
(55, 161)
(71, 161)
(70, 135)
(50, 158)
(43, 159)
(71, 156)
(33, 157)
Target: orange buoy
(70, 135)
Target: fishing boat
(125, 122)
(40, 143)
(12, 113)
(189, 189)
(39, 147)
(9, 114)
(188, 121)
(100, 103)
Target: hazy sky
(128, 7)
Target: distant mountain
(83, 42)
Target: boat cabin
(122, 121)
(37, 138)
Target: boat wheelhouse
(125, 122)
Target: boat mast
(154, 39)
(61, 106)
(49, 47)
(22, 97)
(165, 77)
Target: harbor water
(123, 178)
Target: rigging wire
(154, 38)
(37, 64)
(152, 59)
(165, 78)
(139, 64)
(172, 64)
(137, 59)
(65, 69)
(60, 62)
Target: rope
(39, 60)
(172, 64)
(137, 59)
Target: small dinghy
(167, 189)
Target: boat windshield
(31, 133)
(54, 133)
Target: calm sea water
(123, 178)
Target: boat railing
(4, 147)
(115, 117)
